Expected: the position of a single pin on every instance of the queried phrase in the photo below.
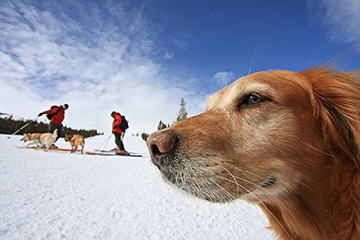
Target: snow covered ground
(58, 195)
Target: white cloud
(97, 61)
(224, 78)
(168, 55)
(341, 17)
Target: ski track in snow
(59, 195)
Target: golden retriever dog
(287, 141)
(76, 140)
(48, 139)
(33, 137)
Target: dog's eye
(253, 99)
(250, 100)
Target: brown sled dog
(76, 140)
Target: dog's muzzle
(160, 144)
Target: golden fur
(287, 141)
(76, 140)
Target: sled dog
(34, 138)
(76, 140)
(48, 139)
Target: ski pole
(24, 126)
(106, 140)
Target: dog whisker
(245, 171)
(320, 151)
(263, 204)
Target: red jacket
(58, 118)
(117, 121)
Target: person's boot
(122, 152)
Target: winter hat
(113, 113)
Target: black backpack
(124, 123)
(50, 116)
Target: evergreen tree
(161, 126)
(144, 136)
(182, 115)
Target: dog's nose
(161, 142)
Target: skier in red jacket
(58, 115)
(118, 132)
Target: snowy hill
(58, 195)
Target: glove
(40, 114)
(115, 126)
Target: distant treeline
(8, 125)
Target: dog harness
(36, 136)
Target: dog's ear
(335, 97)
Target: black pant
(60, 128)
(118, 141)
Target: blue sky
(140, 57)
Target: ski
(110, 151)
(112, 154)
(50, 149)
(106, 151)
